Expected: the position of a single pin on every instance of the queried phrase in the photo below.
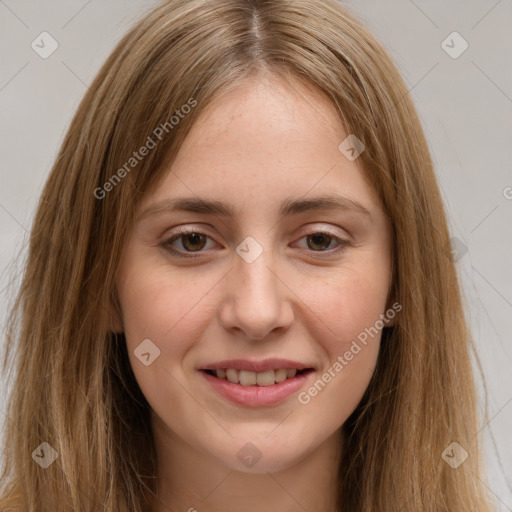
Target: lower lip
(256, 396)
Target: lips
(256, 366)
(256, 373)
(256, 383)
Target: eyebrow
(288, 206)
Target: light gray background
(465, 105)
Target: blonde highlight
(72, 368)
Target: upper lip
(256, 366)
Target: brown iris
(197, 241)
(317, 238)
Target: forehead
(260, 145)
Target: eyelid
(343, 243)
(177, 234)
(311, 230)
(185, 230)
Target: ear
(114, 314)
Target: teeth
(265, 378)
(232, 375)
(246, 378)
(280, 375)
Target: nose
(257, 304)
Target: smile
(256, 383)
(248, 378)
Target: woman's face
(272, 281)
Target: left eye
(194, 241)
(323, 240)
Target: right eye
(192, 241)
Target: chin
(272, 464)
(261, 454)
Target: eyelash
(191, 255)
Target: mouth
(256, 383)
(251, 378)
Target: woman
(313, 354)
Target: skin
(267, 141)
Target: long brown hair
(74, 388)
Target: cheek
(171, 311)
(160, 304)
(350, 347)
(353, 343)
(350, 307)
(348, 304)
